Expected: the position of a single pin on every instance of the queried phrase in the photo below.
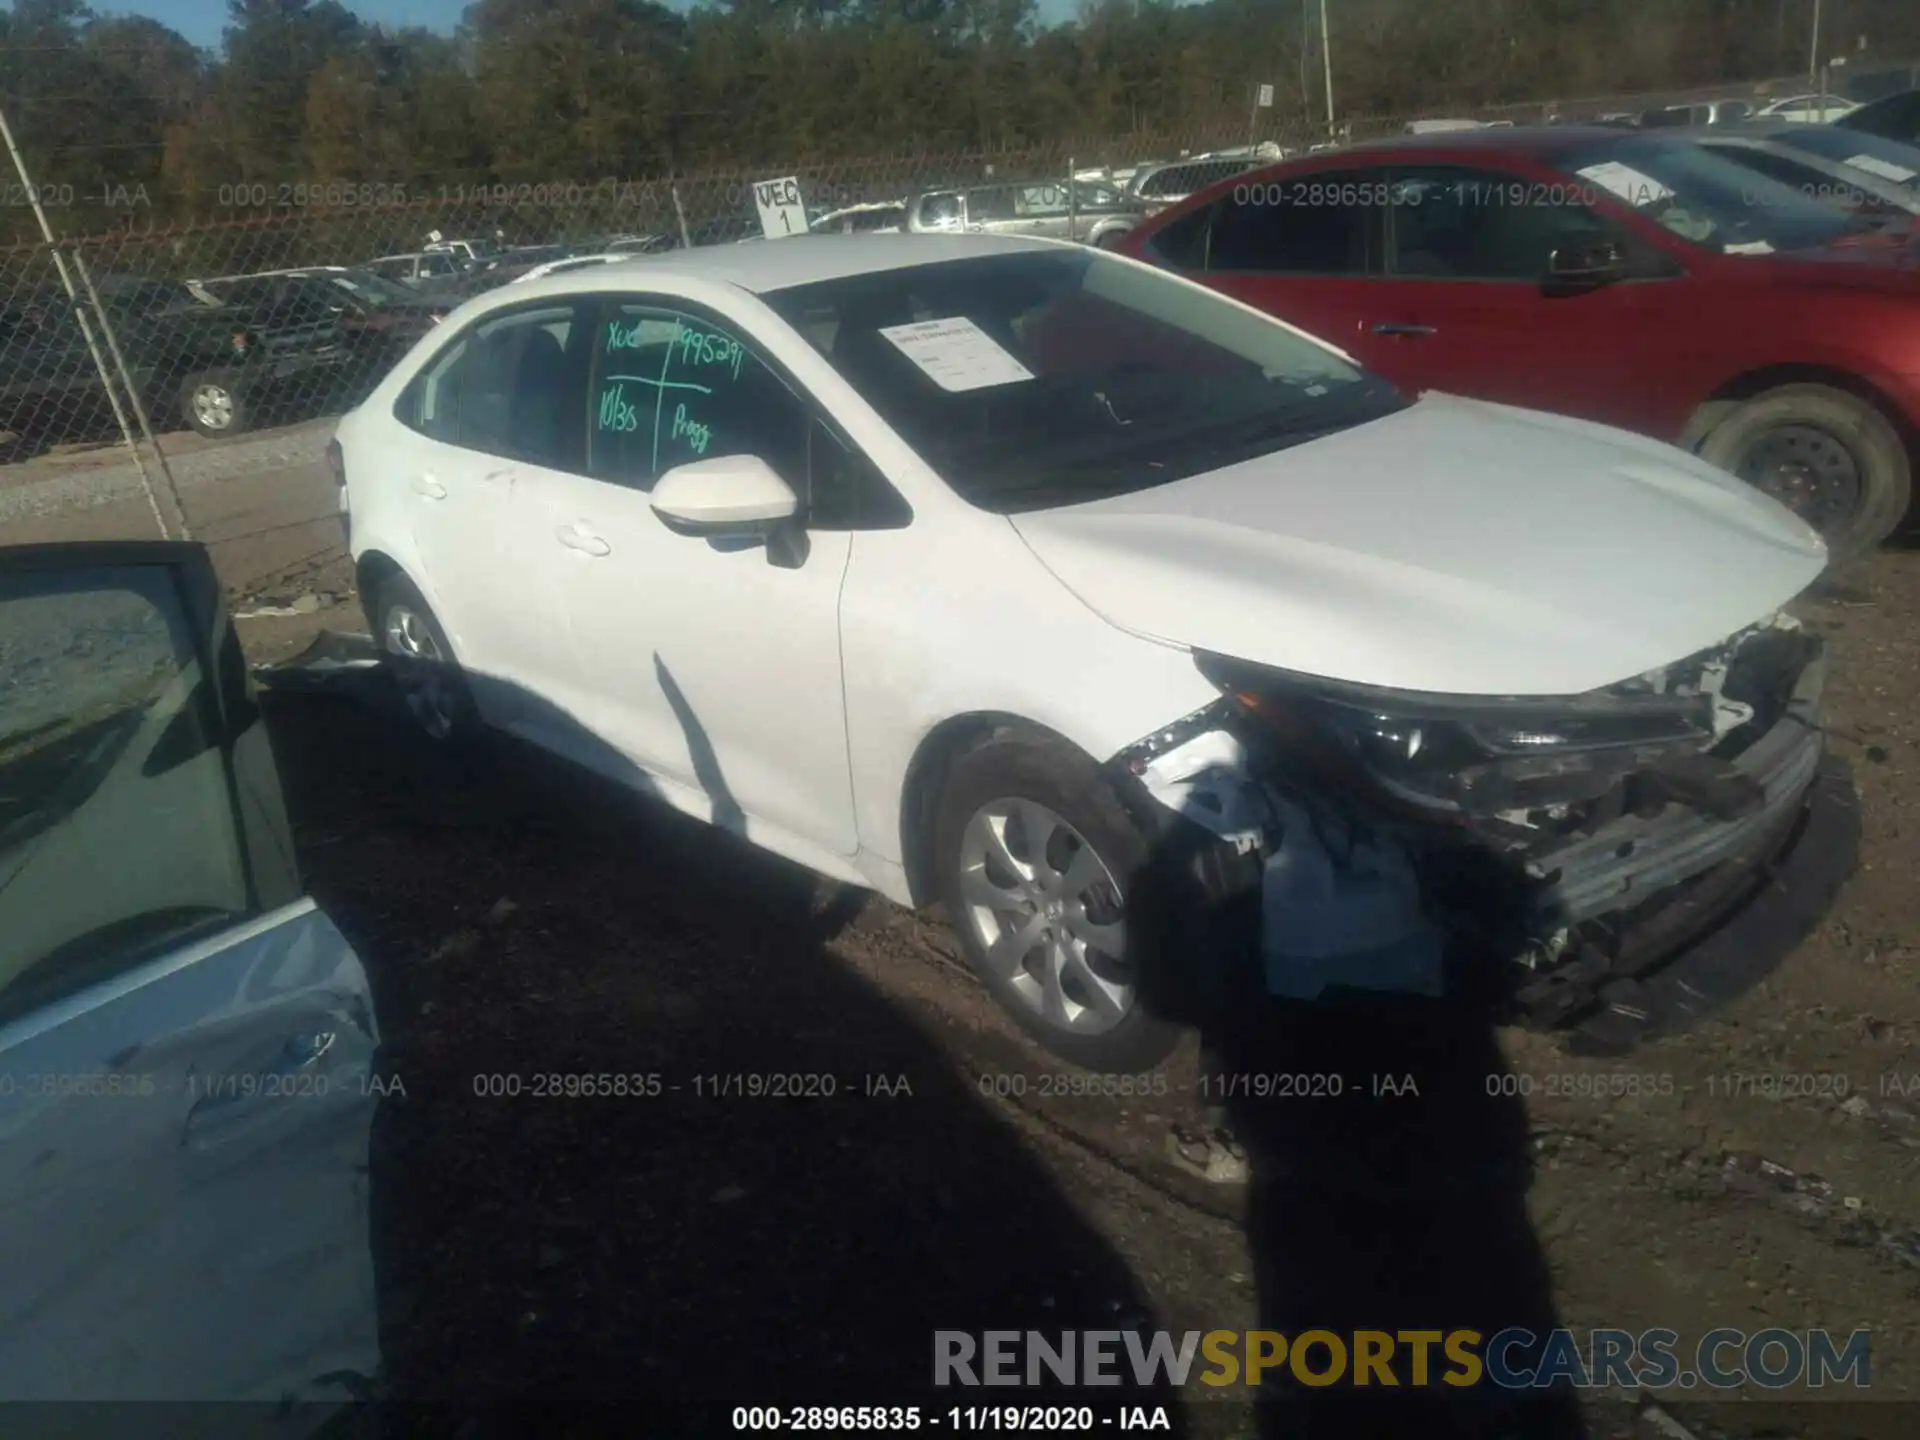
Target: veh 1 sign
(1265, 101)
(781, 212)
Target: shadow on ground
(692, 1249)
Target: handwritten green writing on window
(692, 431)
(619, 414)
(699, 347)
(642, 333)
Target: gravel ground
(711, 1250)
(85, 478)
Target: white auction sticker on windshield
(1626, 182)
(956, 354)
(1748, 247)
(1874, 165)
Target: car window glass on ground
(670, 388)
(117, 820)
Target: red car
(1632, 278)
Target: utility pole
(1813, 48)
(1326, 62)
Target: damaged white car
(994, 572)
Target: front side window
(1455, 222)
(118, 829)
(671, 387)
(431, 265)
(512, 385)
(1038, 378)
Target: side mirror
(729, 496)
(1585, 266)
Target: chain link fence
(275, 303)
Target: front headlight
(1469, 754)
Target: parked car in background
(213, 367)
(877, 217)
(1806, 109)
(1894, 117)
(1169, 182)
(1861, 188)
(417, 268)
(469, 254)
(1020, 564)
(1095, 214)
(1646, 282)
(1889, 160)
(1440, 126)
(187, 1044)
(380, 320)
(1704, 112)
(572, 262)
(651, 244)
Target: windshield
(1888, 159)
(1041, 378)
(1706, 198)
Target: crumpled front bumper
(1605, 922)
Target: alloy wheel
(1047, 915)
(212, 406)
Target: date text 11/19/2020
(1039, 1419)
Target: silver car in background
(1168, 182)
(1093, 212)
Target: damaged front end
(1584, 841)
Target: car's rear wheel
(1035, 856)
(420, 659)
(213, 406)
(1830, 457)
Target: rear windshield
(1039, 378)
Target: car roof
(1536, 142)
(784, 264)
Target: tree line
(547, 92)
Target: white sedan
(1031, 580)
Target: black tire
(1027, 766)
(433, 692)
(214, 406)
(1795, 417)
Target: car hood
(1454, 547)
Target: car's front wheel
(1035, 858)
(1830, 457)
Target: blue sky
(201, 21)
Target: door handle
(585, 541)
(428, 486)
(1389, 328)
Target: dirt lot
(726, 1250)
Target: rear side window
(1322, 223)
(512, 385)
(940, 210)
(119, 829)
